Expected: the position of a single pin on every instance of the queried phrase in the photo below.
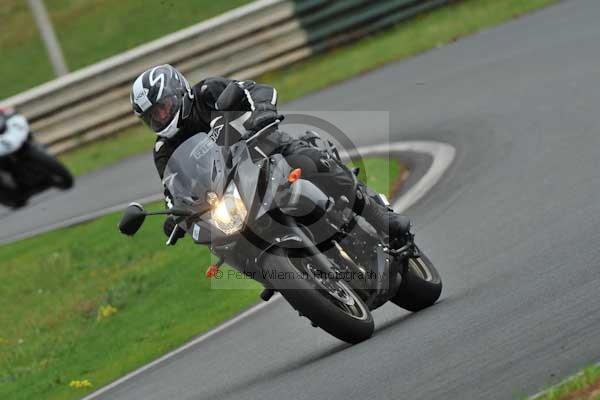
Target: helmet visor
(161, 114)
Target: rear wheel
(421, 285)
(330, 304)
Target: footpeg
(266, 294)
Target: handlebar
(262, 131)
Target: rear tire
(421, 285)
(351, 323)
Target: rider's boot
(382, 218)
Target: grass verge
(84, 305)
(432, 29)
(583, 386)
(89, 31)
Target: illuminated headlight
(229, 213)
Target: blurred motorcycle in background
(26, 167)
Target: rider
(14, 131)
(164, 100)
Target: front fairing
(277, 171)
(200, 166)
(246, 173)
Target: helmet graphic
(162, 97)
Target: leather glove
(263, 115)
(169, 226)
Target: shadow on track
(272, 374)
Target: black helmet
(162, 97)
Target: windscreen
(195, 168)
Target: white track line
(442, 154)
(215, 331)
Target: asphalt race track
(513, 225)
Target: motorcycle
(256, 213)
(29, 171)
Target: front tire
(58, 175)
(12, 200)
(421, 285)
(342, 314)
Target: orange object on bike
(294, 175)
(212, 271)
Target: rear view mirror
(132, 219)
(231, 98)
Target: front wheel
(58, 175)
(330, 304)
(421, 285)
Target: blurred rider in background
(175, 111)
(14, 131)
